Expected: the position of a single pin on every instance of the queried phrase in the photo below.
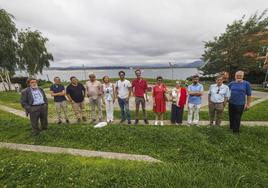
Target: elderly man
(217, 98)
(94, 93)
(58, 92)
(239, 101)
(34, 101)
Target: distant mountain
(194, 64)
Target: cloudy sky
(121, 32)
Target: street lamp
(172, 66)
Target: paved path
(151, 122)
(78, 152)
(13, 111)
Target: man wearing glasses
(217, 98)
(34, 101)
(94, 93)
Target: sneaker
(59, 122)
(146, 121)
(122, 121)
(129, 122)
(156, 123)
(136, 121)
(162, 123)
(93, 121)
(35, 133)
(67, 121)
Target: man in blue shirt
(58, 92)
(34, 101)
(239, 101)
(195, 91)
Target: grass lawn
(258, 112)
(192, 156)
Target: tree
(24, 50)
(238, 47)
(8, 46)
(32, 52)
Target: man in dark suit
(34, 101)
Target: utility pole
(172, 72)
(84, 72)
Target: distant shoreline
(113, 68)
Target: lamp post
(172, 66)
(84, 71)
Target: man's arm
(129, 92)
(101, 90)
(62, 93)
(146, 92)
(225, 101)
(24, 101)
(44, 95)
(84, 91)
(249, 98)
(68, 95)
(209, 95)
(133, 88)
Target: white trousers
(109, 110)
(193, 113)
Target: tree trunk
(3, 81)
(8, 80)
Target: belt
(39, 104)
(217, 102)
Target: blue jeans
(124, 107)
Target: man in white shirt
(94, 93)
(123, 93)
(217, 98)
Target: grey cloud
(117, 32)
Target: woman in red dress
(159, 100)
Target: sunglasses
(218, 91)
(159, 80)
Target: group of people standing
(34, 100)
